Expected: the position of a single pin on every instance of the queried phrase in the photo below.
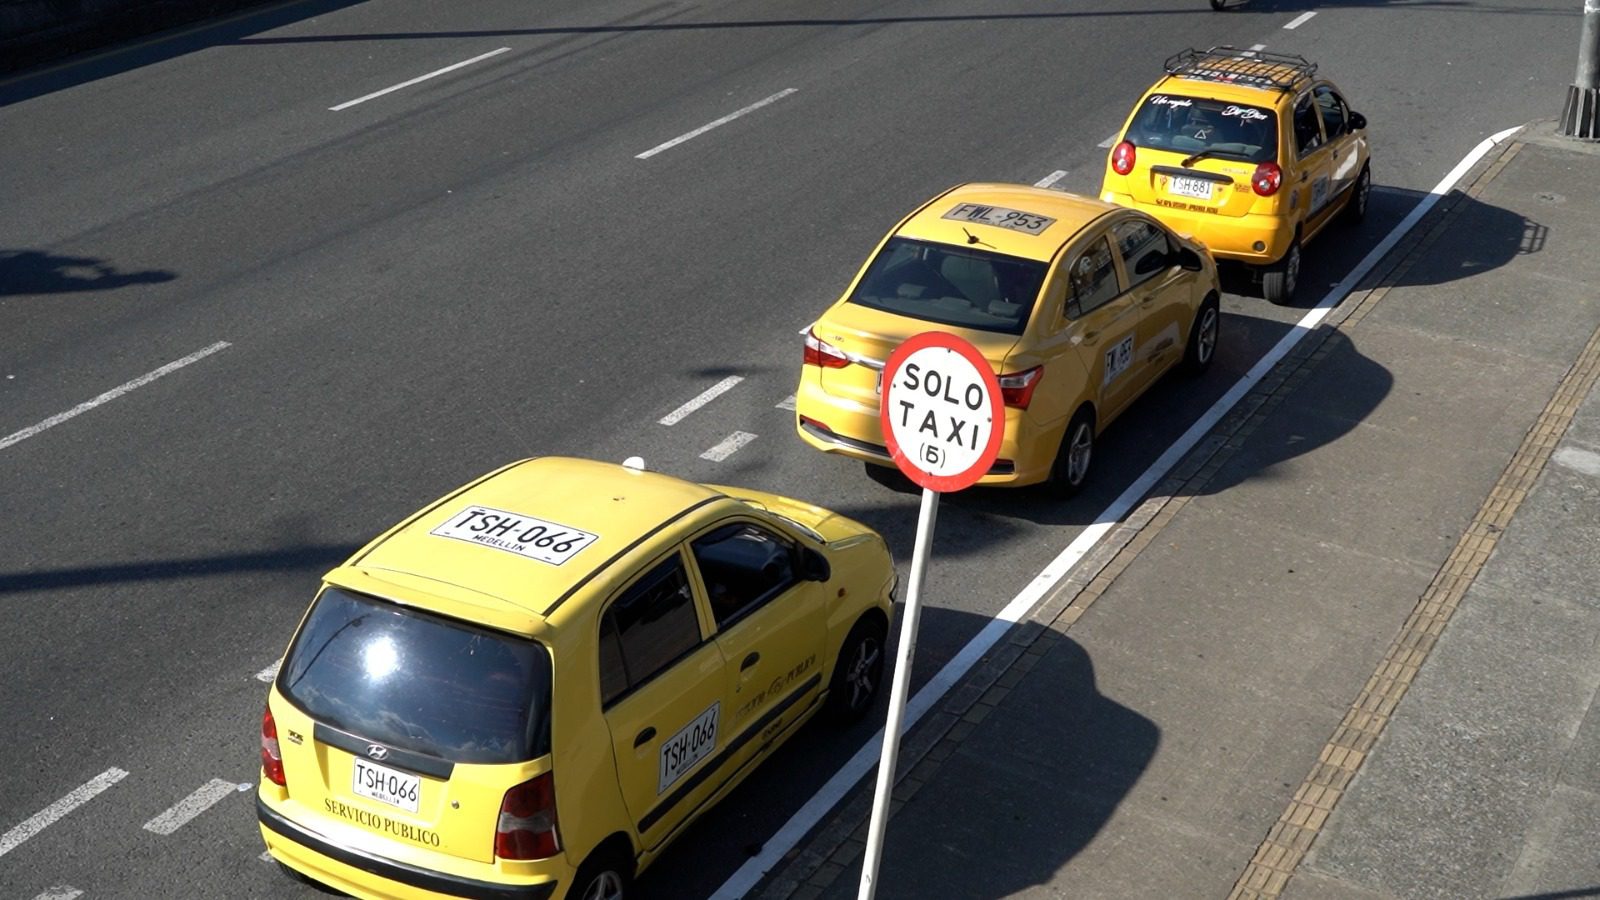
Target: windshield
(1195, 125)
(962, 286)
(419, 682)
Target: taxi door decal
(1118, 357)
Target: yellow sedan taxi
(1078, 304)
(1250, 152)
(530, 687)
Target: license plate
(1198, 188)
(385, 785)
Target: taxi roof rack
(1257, 68)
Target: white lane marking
(729, 446)
(856, 768)
(1051, 179)
(786, 403)
(42, 819)
(270, 672)
(266, 856)
(706, 396)
(60, 892)
(1299, 20)
(420, 78)
(1257, 48)
(112, 394)
(1106, 144)
(710, 125)
(1583, 461)
(193, 805)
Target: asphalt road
(479, 267)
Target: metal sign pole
(897, 694)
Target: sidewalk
(1249, 689)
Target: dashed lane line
(193, 805)
(42, 819)
(786, 403)
(270, 672)
(706, 396)
(728, 446)
(1106, 144)
(1051, 179)
(718, 123)
(1299, 20)
(420, 78)
(59, 892)
(112, 394)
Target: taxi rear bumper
(1227, 237)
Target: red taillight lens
(1016, 389)
(1122, 156)
(1267, 179)
(821, 353)
(271, 756)
(527, 828)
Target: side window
(650, 626)
(1307, 128)
(1333, 110)
(1092, 278)
(1144, 250)
(743, 566)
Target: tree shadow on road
(27, 272)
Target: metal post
(1580, 117)
(897, 695)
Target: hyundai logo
(377, 751)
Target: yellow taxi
(530, 687)
(1250, 152)
(1079, 306)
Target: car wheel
(1279, 279)
(858, 672)
(1218, 4)
(1203, 337)
(1071, 468)
(1355, 209)
(602, 877)
(890, 477)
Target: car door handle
(749, 661)
(644, 735)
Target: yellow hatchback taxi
(1247, 150)
(1079, 305)
(530, 687)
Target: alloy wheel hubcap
(861, 678)
(1078, 455)
(608, 886)
(1208, 335)
(1291, 272)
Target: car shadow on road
(1007, 805)
(26, 272)
(310, 560)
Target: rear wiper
(1207, 154)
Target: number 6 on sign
(942, 413)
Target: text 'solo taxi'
(530, 687)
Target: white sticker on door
(1118, 356)
(694, 742)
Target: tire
(603, 876)
(858, 672)
(890, 477)
(1203, 333)
(1070, 471)
(1278, 281)
(1355, 209)
(1218, 4)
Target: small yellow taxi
(1079, 306)
(1249, 151)
(530, 687)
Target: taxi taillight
(271, 756)
(527, 828)
(1267, 179)
(821, 353)
(1016, 389)
(1122, 156)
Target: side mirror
(1188, 259)
(814, 566)
(1357, 121)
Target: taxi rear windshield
(416, 681)
(964, 286)
(1195, 125)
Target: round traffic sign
(942, 413)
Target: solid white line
(1050, 179)
(801, 823)
(1106, 144)
(786, 403)
(1299, 20)
(729, 446)
(420, 78)
(112, 394)
(706, 396)
(270, 672)
(42, 819)
(60, 892)
(710, 125)
(193, 805)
